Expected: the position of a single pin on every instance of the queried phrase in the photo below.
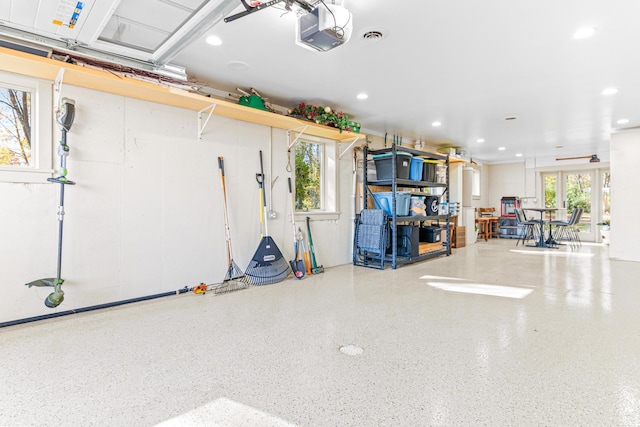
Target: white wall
(625, 176)
(505, 180)
(146, 214)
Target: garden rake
(235, 279)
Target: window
(25, 128)
(315, 176)
(15, 127)
(475, 189)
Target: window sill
(22, 176)
(318, 216)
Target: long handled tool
(297, 265)
(267, 266)
(64, 116)
(235, 279)
(315, 268)
(307, 263)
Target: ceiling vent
(373, 35)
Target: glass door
(577, 193)
(569, 190)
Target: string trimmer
(64, 117)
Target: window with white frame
(315, 175)
(25, 128)
(475, 188)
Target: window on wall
(25, 128)
(475, 187)
(315, 176)
(15, 127)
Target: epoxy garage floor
(493, 335)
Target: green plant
(322, 115)
(606, 223)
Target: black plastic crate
(384, 164)
(429, 171)
(430, 234)
(408, 243)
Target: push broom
(64, 117)
(267, 266)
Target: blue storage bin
(415, 173)
(384, 201)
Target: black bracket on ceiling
(251, 9)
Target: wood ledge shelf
(76, 75)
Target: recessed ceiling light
(480, 141)
(214, 40)
(502, 148)
(610, 91)
(362, 96)
(623, 121)
(510, 118)
(518, 154)
(436, 124)
(585, 32)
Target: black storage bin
(432, 205)
(384, 164)
(430, 234)
(408, 241)
(429, 171)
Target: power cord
(338, 29)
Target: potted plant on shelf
(605, 229)
(324, 116)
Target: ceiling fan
(593, 158)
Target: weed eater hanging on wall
(64, 116)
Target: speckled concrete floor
(488, 336)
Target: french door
(569, 190)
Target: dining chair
(529, 228)
(567, 231)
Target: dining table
(542, 241)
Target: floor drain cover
(351, 350)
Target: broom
(267, 266)
(235, 279)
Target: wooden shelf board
(86, 77)
(427, 248)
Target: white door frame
(561, 197)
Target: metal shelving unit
(445, 248)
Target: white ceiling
(465, 63)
